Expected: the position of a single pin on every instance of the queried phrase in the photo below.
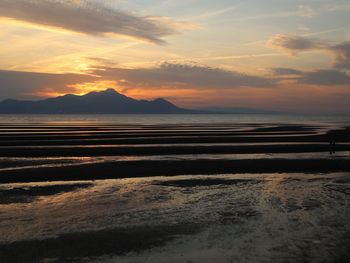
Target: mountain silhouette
(103, 102)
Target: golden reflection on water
(264, 212)
(131, 202)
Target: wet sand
(131, 169)
(188, 193)
(223, 218)
(30, 149)
(76, 151)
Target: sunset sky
(286, 55)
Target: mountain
(237, 110)
(104, 102)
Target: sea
(175, 118)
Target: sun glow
(86, 87)
(79, 89)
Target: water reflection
(246, 217)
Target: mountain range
(103, 102)
(109, 101)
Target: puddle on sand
(28, 193)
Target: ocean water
(175, 118)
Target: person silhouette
(332, 146)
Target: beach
(188, 192)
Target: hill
(104, 102)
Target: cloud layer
(184, 76)
(316, 77)
(85, 17)
(188, 85)
(341, 54)
(16, 84)
(294, 44)
(326, 78)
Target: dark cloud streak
(184, 76)
(321, 77)
(85, 17)
(293, 44)
(325, 78)
(285, 71)
(341, 54)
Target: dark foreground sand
(174, 193)
(132, 169)
(222, 218)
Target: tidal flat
(204, 192)
(222, 218)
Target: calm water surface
(173, 119)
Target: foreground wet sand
(184, 193)
(221, 218)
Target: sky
(285, 55)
